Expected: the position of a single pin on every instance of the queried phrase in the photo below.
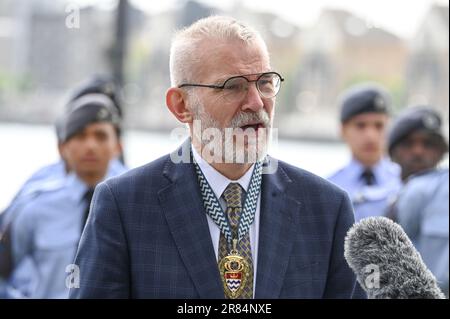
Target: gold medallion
(234, 271)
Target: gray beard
(226, 145)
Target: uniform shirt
(423, 212)
(218, 183)
(369, 200)
(44, 179)
(47, 179)
(45, 233)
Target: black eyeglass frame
(222, 87)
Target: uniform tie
(87, 198)
(368, 176)
(233, 197)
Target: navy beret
(364, 98)
(420, 118)
(59, 129)
(98, 84)
(88, 109)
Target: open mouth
(255, 126)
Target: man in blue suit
(218, 217)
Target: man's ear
(176, 103)
(62, 149)
(119, 148)
(342, 131)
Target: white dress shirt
(219, 183)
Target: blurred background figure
(52, 176)
(44, 232)
(46, 178)
(423, 212)
(106, 85)
(100, 84)
(416, 141)
(370, 178)
(95, 84)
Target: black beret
(413, 119)
(88, 109)
(59, 129)
(365, 98)
(98, 84)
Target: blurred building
(51, 47)
(148, 64)
(284, 41)
(52, 52)
(427, 72)
(149, 71)
(338, 51)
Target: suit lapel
(278, 224)
(186, 217)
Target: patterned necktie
(233, 197)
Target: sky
(401, 17)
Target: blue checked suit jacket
(147, 237)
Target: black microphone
(386, 264)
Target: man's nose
(418, 148)
(90, 143)
(371, 134)
(253, 101)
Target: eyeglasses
(235, 88)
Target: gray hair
(184, 51)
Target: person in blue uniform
(416, 141)
(53, 172)
(46, 226)
(370, 179)
(52, 175)
(423, 211)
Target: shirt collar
(77, 187)
(216, 180)
(379, 170)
